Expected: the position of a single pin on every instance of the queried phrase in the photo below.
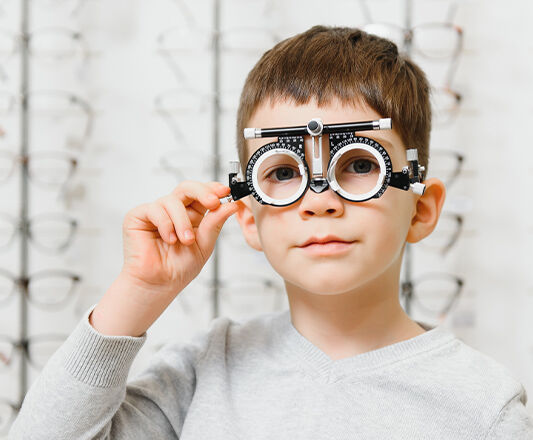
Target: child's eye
(282, 173)
(361, 166)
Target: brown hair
(349, 64)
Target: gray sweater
(261, 379)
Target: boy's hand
(153, 255)
(160, 258)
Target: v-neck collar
(332, 370)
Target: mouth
(324, 240)
(326, 246)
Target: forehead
(285, 114)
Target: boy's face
(376, 229)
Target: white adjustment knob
(385, 124)
(249, 133)
(412, 154)
(418, 188)
(234, 166)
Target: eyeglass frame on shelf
(25, 160)
(21, 226)
(22, 284)
(15, 99)
(408, 293)
(24, 346)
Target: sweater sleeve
(82, 392)
(513, 421)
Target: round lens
(50, 169)
(279, 176)
(7, 285)
(7, 163)
(8, 229)
(435, 293)
(437, 40)
(357, 171)
(54, 44)
(6, 353)
(49, 289)
(52, 232)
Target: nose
(327, 202)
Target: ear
(246, 220)
(427, 210)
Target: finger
(137, 219)
(207, 194)
(194, 216)
(194, 197)
(224, 191)
(162, 221)
(198, 207)
(179, 217)
(211, 225)
(216, 184)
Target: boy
(345, 361)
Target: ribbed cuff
(100, 360)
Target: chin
(330, 284)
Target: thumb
(211, 225)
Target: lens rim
(332, 179)
(291, 145)
(348, 141)
(339, 143)
(266, 198)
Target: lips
(321, 248)
(323, 240)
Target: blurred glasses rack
(431, 40)
(50, 232)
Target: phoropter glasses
(359, 168)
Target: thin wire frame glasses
(50, 232)
(46, 289)
(433, 294)
(37, 349)
(48, 169)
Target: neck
(354, 322)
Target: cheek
(274, 236)
(273, 229)
(393, 220)
(386, 222)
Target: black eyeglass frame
(341, 135)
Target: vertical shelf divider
(24, 189)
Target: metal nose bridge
(319, 184)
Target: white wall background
(120, 164)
